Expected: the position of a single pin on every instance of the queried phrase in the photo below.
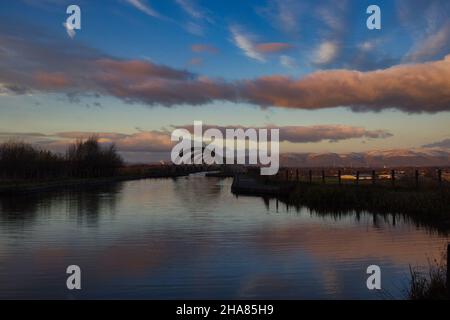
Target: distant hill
(388, 158)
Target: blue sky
(232, 44)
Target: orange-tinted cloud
(142, 141)
(273, 47)
(308, 134)
(411, 88)
(26, 67)
(54, 81)
(159, 140)
(135, 69)
(199, 48)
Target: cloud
(199, 17)
(326, 53)
(440, 144)
(51, 80)
(142, 6)
(27, 135)
(142, 141)
(246, 44)
(288, 62)
(159, 140)
(194, 28)
(427, 22)
(332, 133)
(134, 70)
(332, 14)
(256, 50)
(368, 55)
(285, 15)
(109, 136)
(200, 48)
(433, 45)
(44, 64)
(272, 47)
(333, 18)
(191, 9)
(145, 141)
(310, 134)
(411, 88)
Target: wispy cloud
(311, 134)
(428, 24)
(326, 53)
(288, 62)
(199, 17)
(191, 9)
(254, 49)
(244, 42)
(273, 47)
(431, 46)
(333, 17)
(286, 15)
(144, 7)
(440, 144)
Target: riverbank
(26, 187)
(426, 206)
(247, 185)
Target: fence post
(310, 176)
(323, 176)
(339, 176)
(417, 178)
(357, 177)
(393, 177)
(373, 177)
(297, 175)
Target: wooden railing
(411, 177)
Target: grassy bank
(427, 204)
(25, 187)
(430, 206)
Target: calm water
(191, 238)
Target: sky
(139, 68)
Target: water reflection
(191, 238)
(86, 204)
(431, 225)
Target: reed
(431, 285)
(428, 207)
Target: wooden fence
(393, 177)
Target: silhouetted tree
(89, 159)
(19, 160)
